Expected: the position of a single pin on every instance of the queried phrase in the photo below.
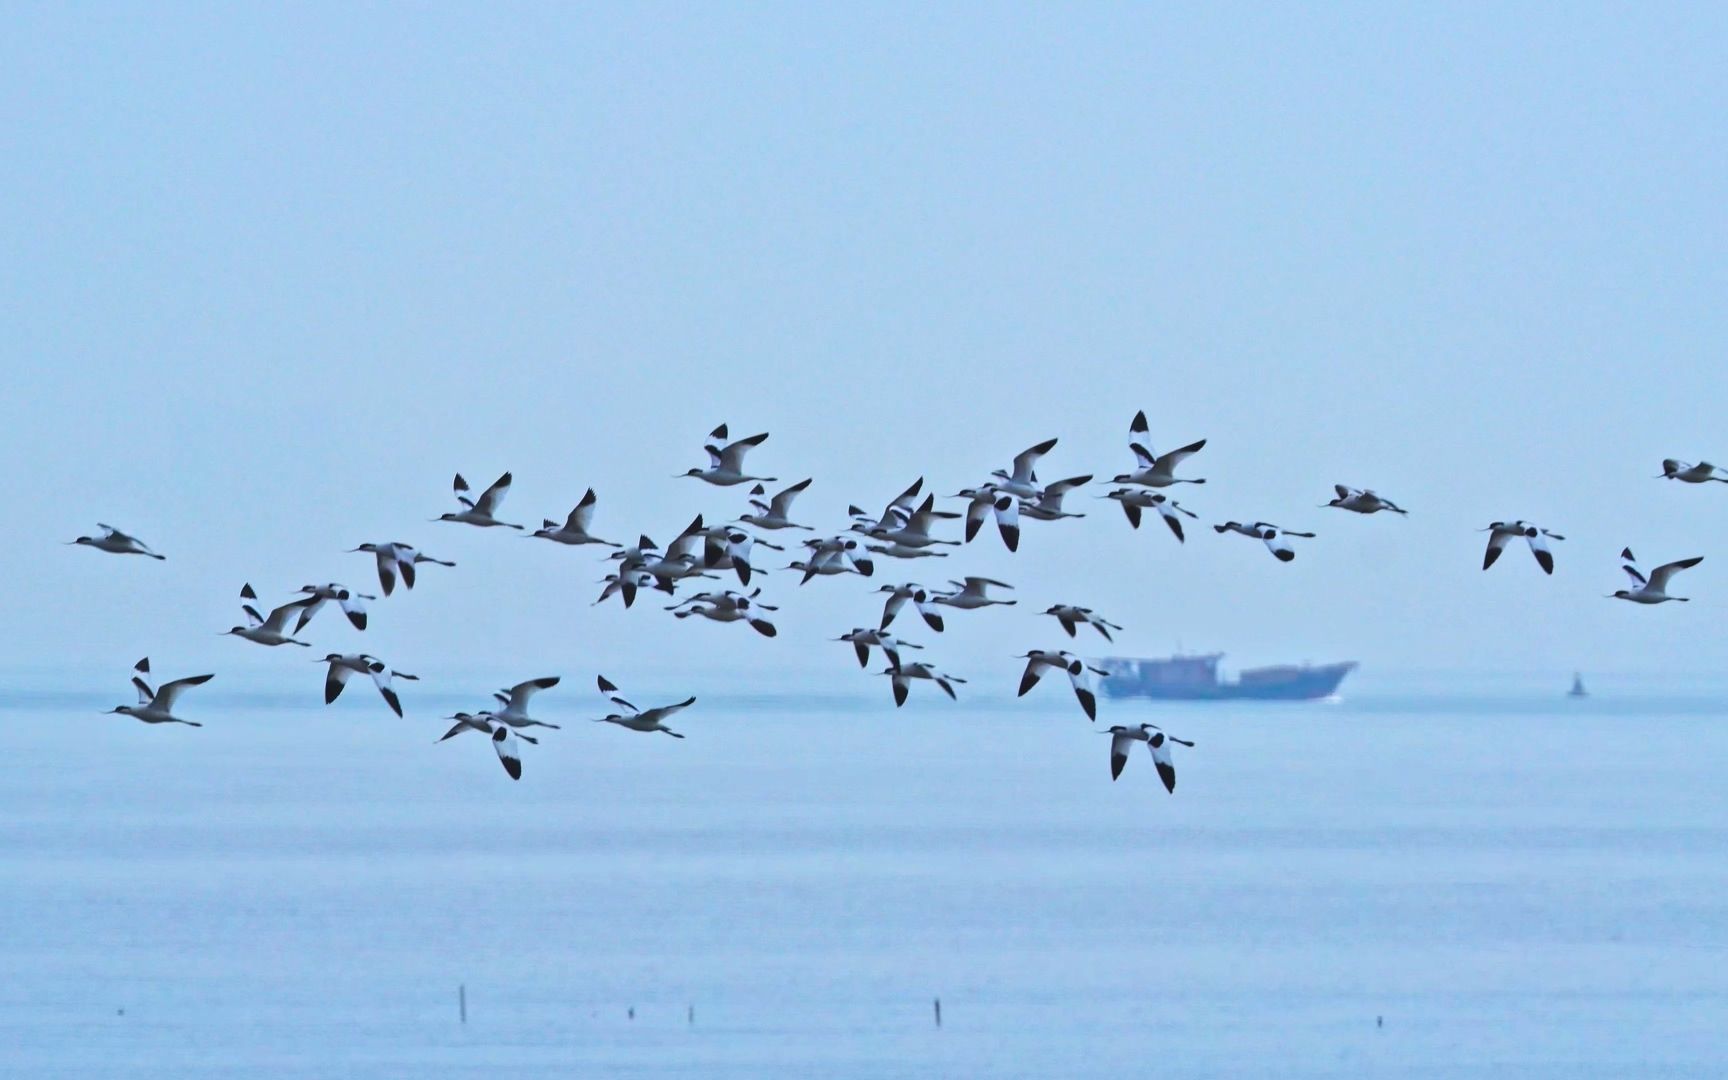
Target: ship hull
(1305, 684)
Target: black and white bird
(1152, 469)
(1501, 533)
(727, 547)
(911, 529)
(897, 597)
(1008, 520)
(157, 706)
(901, 676)
(640, 719)
(863, 639)
(1047, 504)
(1071, 616)
(1654, 588)
(1122, 740)
(901, 551)
(726, 463)
(352, 604)
(898, 509)
(1270, 534)
(831, 556)
(344, 666)
(574, 531)
(506, 742)
(116, 542)
(1134, 500)
(625, 584)
(1022, 481)
(509, 750)
(728, 607)
(395, 560)
(482, 511)
(1363, 501)
(266, 630)
(1041, 661)
(1701, 473)
(481, 722)
(515, 703)
(983, 499)
(772, 515)
(972, 593)
(681, 559)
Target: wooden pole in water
(462, 1001)
(938, 1012)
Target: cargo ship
(1196, 678)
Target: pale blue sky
(273, 276)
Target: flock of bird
(906, 529)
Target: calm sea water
(1515, 884)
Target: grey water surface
(1510, 883)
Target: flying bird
(897, 510)
(1070, 616)
(726, 463)
(509, 750)
(1652, 589)
(397, 559)
(481, 722)
(1362, 501)
(1040, 661)
(515, 701)
(773, 514)
(1152, 469)
(482, 511)
(1135, 500)
(344, 666)
(318, 595)
(267, 630)
(157, 706)
(833, 555)
(897, 597)
(1022, 481)
(980, 501)
(1701, 473)
(1270, 534)
(644, 720)
(729, 548)
(1501, 533)
(863, 638)
(1122, 739)
(910, 529)
(901, 677)
(972, 593)
(1047, 504)
(116, 542)
(574, 531)
(728, 607)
